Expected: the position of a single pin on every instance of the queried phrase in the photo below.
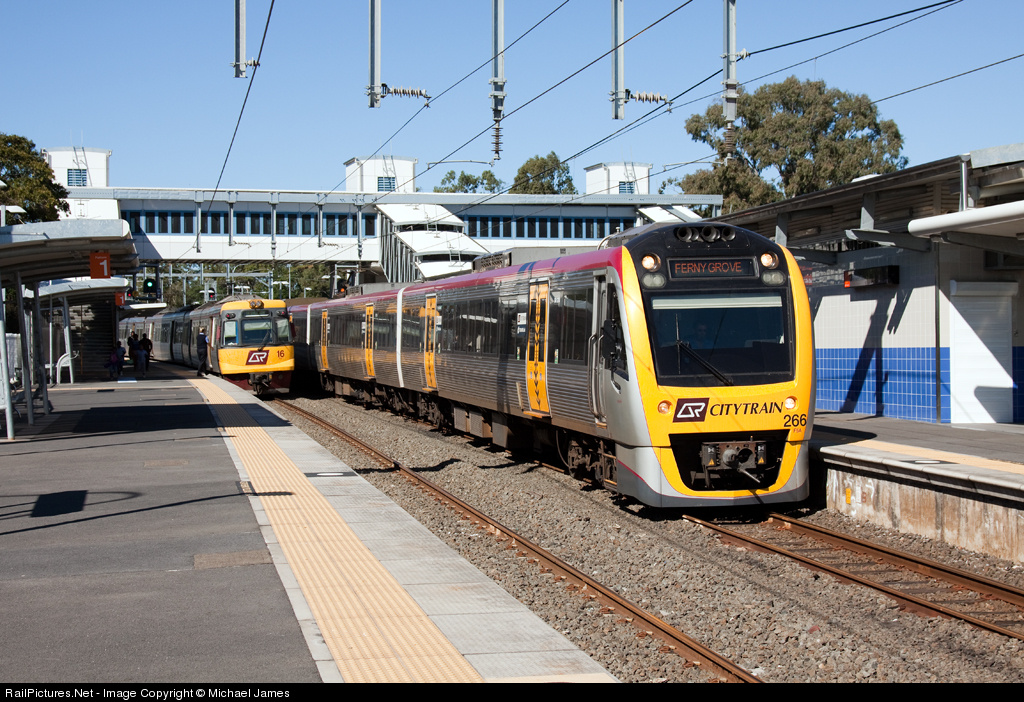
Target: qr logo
(691, 410)
(256, 358)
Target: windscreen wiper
(685, 346)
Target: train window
(571, 319)
(713, 339)
(256, 331)
(514, 326)
(230, 333)
(283, 330)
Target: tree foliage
(486, 182)
(739, 185)
(29, 180)
(798, 137)
(543, 175)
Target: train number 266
(795, 420)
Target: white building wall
(604, 178)
(68, 161)
(365, 175)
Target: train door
(212, 344)
(607, 349)
(597, 359)
(537, 349)
(430, 343)
(368, 340)
(324, 330)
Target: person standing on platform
(146, 345)
(133, 346)
(202, 348)
(116, 361)
(141, 360)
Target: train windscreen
(257, 330)
(714, 339)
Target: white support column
(5, 371)
(37, 338)
(26, 360)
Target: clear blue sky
(152, 81)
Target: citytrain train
(250, 340)
(674, 364)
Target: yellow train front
(719, 326)
(250, 340)
(252, 344)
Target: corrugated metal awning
(50, 250)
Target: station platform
(962, 484)
(175, 529)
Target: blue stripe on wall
(889, 382)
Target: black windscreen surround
(721, 338)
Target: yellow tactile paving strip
(373, 628)
(933, 454)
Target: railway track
(918, 584)
(611, 602)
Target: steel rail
(910, 601)
(680, 642)
(978, 583)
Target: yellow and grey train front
(720, 333)
(254, 346)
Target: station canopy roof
(419, 215)
(50, 250)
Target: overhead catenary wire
(643, 120)
(548, 90)
(662, 109)
(241, 112)
(943, 80)
(455, 85)
(851, 27)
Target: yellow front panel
(256, 360)
(722, 408)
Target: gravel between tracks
(775, 618)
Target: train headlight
(773, 277)
(790, 403)
(650, 262)
(654, 280)
(664, 407)
(769, 260)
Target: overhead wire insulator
(648, 97)
(497, 140)
(404, 92)
(727, 149)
